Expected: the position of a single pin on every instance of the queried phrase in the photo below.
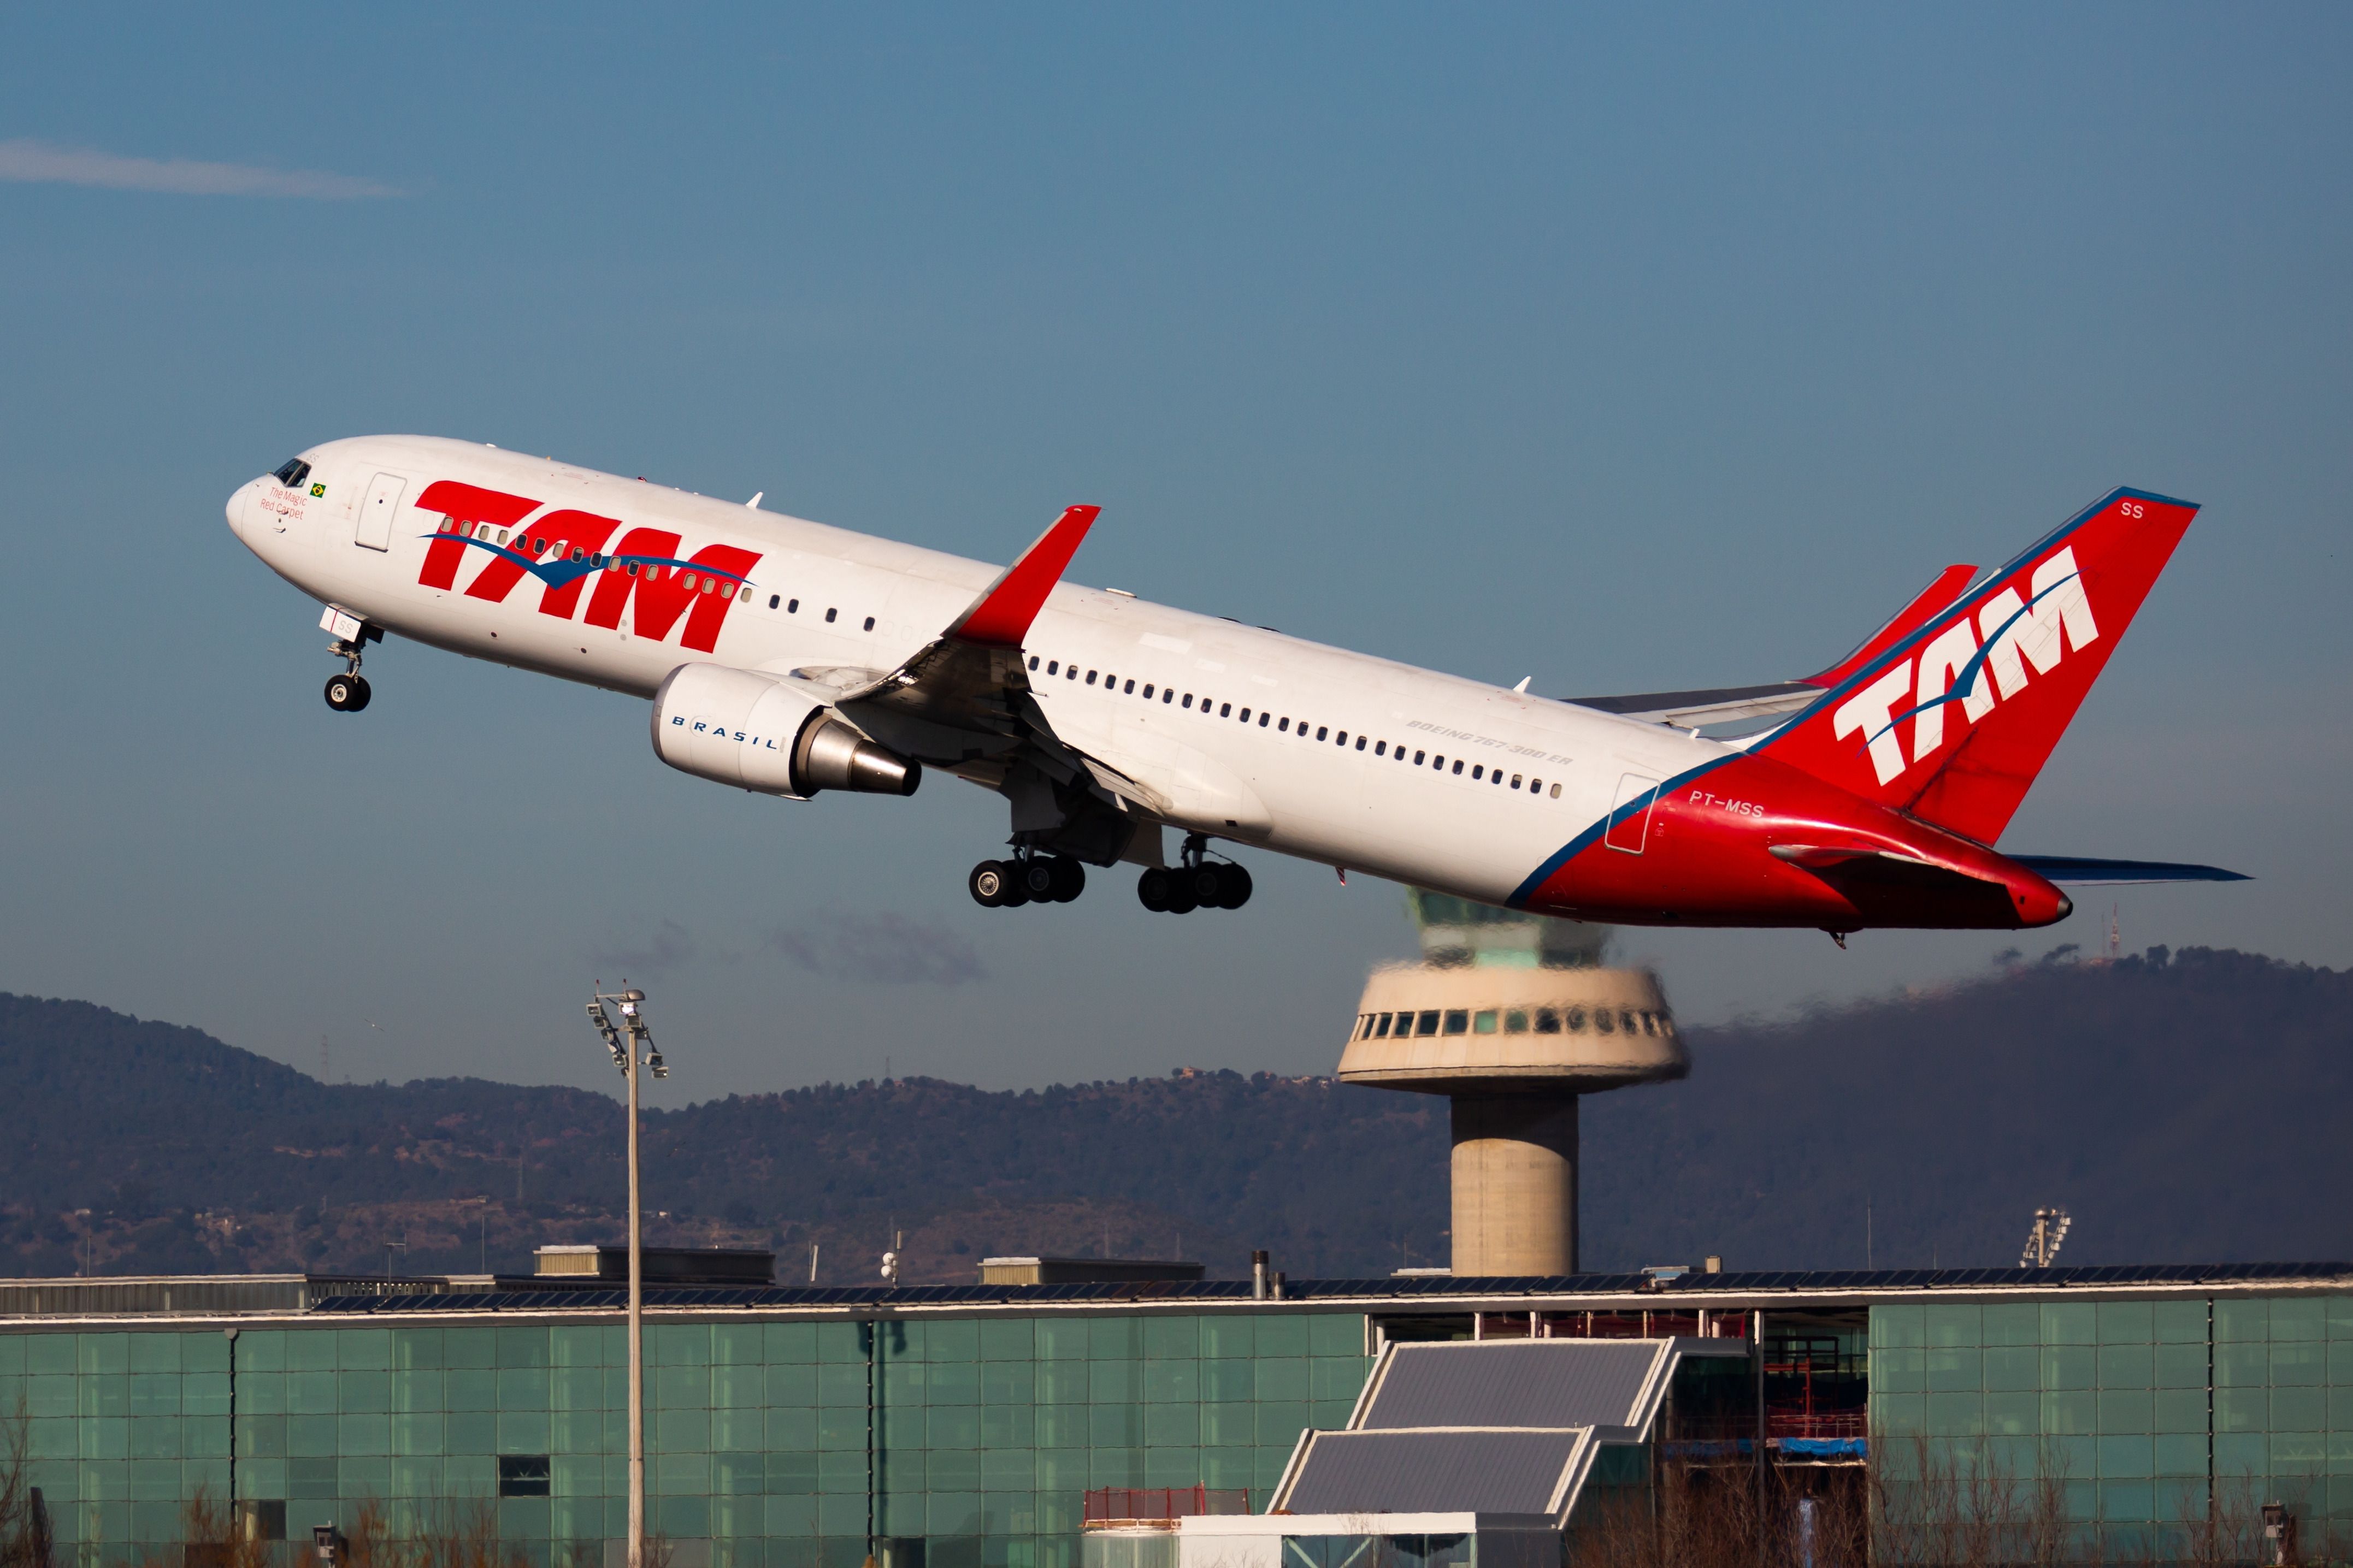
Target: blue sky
(1624, 350)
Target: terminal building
(965, 1426)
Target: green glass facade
(987, 1430)
(2143, 1410)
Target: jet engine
(760, 733)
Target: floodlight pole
(637, 1335)
(633, 1048)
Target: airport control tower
(1512, 1017)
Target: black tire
(360, 693)
(1016, 895)
(1207, 883)
(988, 883)
(1233, 885)
(1184, 896)
(1036, 877)
(1069, 878)
(1152, 889)
(341, 688)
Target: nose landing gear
(1196, 882)
(1027, 880)
(347, 692)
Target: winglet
(1924, 607)
(1000, 617)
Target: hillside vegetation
(2184, 1107)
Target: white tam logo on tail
(2017, 634)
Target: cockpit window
(292, 475)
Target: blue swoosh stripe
(556, 573)
(1576, 846)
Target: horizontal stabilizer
(1720, 705)
(2075, 869)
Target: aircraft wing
(972, 676)
(1722, 705)
(1731, 704)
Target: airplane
(791, 658)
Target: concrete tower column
(1513, 1018)
(1514, 1184)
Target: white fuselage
(821, 597)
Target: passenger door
(372, 526)
(1636, 795)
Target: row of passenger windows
(1510, 1021)
(1480, 772)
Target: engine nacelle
(754, 732)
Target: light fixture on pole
(638, 1050)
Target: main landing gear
(347, 692)
(1195, 882)
(1028, 879)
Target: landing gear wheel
(1069, 878)
(1183, 897)
(346, 693)
(1036, 877)
(1233, 885)
(1206, 884)
(989, 882)
(1154, 889)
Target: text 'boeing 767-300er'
(790, 658)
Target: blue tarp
(1824, 1447)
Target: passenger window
(1342, 738)
(1604, 1021)
(773, 599)
(1438, 763)
(1547, 1021)
(1320, 733)
(829, 614)
(1458, 764)
(1147, 691)
(1053, 667)
(1360, 743)
(538, 546)
(1495, 778)
(1515, 780)
(1262, 717)
(1650, 1023)
(1576, 1020)
(1188, 700)
(1417, 758)
(1071, 673)
(1033, 661)
(1556, 792)
(1426, 1024)
(1381, 1026)
(1245, 715)
(1478, 772)
(633, 572)
(1167, 694)
(792, 607)
(1484, 1021)
(1091, 677)
(1283, 727)
(743, 595)
(1516, 1022)
(869, 622)
(1381, 748)
(1458, 1021)
(503, 537)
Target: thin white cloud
(42, 162)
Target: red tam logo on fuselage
(564, 548)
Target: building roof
(1465, 1470)
(1524, 1383)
